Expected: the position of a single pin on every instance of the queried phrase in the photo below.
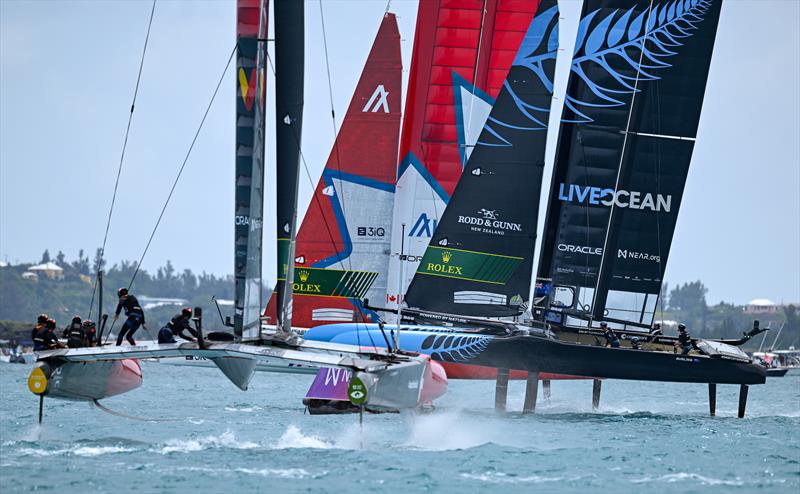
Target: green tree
(81, 265)
(689, 297)
(61, 259)
(45, 257)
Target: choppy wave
(77, 450)
(685, 476)
(506, 478)
(225, 440)
(294, 438)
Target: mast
(479, 261)
(251, 25)
(289, 78)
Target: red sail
(340, 256)
(463, 50)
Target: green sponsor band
(332, 282)
(468, 265)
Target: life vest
(39, 340)
(165, 335)
(75, 336)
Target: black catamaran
(637, 79)
(385, 379)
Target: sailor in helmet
(178, 326)
(41, 322)
(684, 340)
(612, 339)
(135, 315)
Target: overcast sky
(67, 72)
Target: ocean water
(211, 437)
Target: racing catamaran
(637, 79)
(381, 379)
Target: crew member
(89, 333)
(180, 326)
(612, 339)
(41, 322)
(684, 340)
(656, 330)
(636, 343)
(134, 313)
(45, 338)
(75, 324)
(74, 333)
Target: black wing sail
(630, 117)
(251, 25)
(289, 70)
(657, 151)
(479, 260)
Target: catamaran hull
(533, 353)
(87, 381)
(391, 381)
(288, 368)
(550, 357)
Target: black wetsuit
(135, 318)
(180, 323)
(685, 342)
(611, 338)
(75, 335)
(44, 339)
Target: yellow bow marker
(37, 381)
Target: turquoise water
(646, 437)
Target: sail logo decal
(247, 85)
(629, 36)
(424, 226)
(489, 222)
(468, 265)
(379, 100)
(454, 347)
(610, 197)
(332, 282)
(641, 256)
(581, 249)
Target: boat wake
(294, 438)
(225, 440)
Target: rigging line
(175, 183)
(308, 175)
(122, 155)
(475, 71)
(622, 151)
(183, 165)
(314, 197)
(340, 193)
(333, 120)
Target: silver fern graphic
(629, 45)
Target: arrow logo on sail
(378, 100)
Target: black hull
(533, 353)
(777, 372)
